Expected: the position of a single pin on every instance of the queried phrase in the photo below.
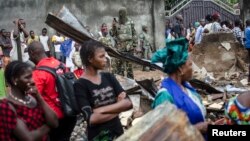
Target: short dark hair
(227, 23)
(32, 31)
(14, 70)
(248, 22)
(104, 24)
(209, 18)
(1, 31)
(88, 50)
(237, 23)
(44, 29)
(172, 30)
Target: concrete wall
(91, 12)
(245, 9)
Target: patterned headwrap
(173, 55)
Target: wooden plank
(165, 123)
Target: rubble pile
(219, 56)
(141, 94)
(220, 72)
(214, 101)
(79, 132)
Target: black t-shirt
(90, 96)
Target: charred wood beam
(214, 110)
(149, 86)
(132, 90)
(204, 86)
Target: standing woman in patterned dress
(24, 115)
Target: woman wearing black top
(99, 95)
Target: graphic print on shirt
(103, 96)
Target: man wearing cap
(199, 31)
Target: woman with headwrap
(175, 88)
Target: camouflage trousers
(122, 67)
(147, 54)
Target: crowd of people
(210, 24)
(32, 108)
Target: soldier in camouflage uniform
(125, 38)
(106, 39)
(145, 46)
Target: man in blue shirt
(247, 42)
(199, 32)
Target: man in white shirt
(199, 31)
(44, 39)
(216, 27)
(18, 36)
(57, 41)
(171, 36)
